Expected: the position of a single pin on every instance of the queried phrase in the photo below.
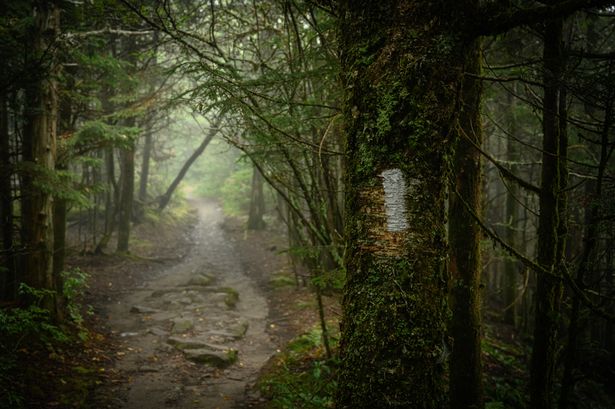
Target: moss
(398, 110)
(231, 298)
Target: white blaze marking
(395, 190)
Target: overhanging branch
(500, 20)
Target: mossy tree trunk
(551, 224)
(402, 63)
(39, 150)
(466, 388)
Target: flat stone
(182, 289)
(158, 332)
(140, 309)
(147, 368)
(239, 330)
(163, 316)
(218, 359)
(181, 325)
(194, 343)
(201, 279)
(223, 335)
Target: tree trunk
(7, 274)
(111, 200)
(39, 150)
(399, 108)
(257, 202)
(59, 251)
(550, 241)
(147, 153)
(511, 265)
(166, 197)
(149, 143)
(466, 383)
(127, 186)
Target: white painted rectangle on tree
(395, 190)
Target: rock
(146, 368)
(230, 297)
(239, 329)
(181, 325)
(139, 309)
(193, 343)
(185, 301)
(218, 359)
(201, 279)
(163, 316)
(221, 335)
(157, 331)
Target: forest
(307, 204)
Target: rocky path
(194, 337)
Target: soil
(189, 320)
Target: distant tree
(257, 202)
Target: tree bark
(511, 265)
(402, 63)
(111, 200)
(127, 186)
(550, 224)
(39, 150)
(466, 383)
(127, 161)
(7, 275)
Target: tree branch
(497, 20)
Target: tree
(465, 379)
(166, 197)
(257, 202)
(39, 147)
(552, 219)
(403, 63)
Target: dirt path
(195, 336)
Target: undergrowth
(32, 345)
(301, 376)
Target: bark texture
(551, 225)
(466, 388)
(127, 188)
(7, 273)
(39, 150)
(402, 63)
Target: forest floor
(190, 317)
